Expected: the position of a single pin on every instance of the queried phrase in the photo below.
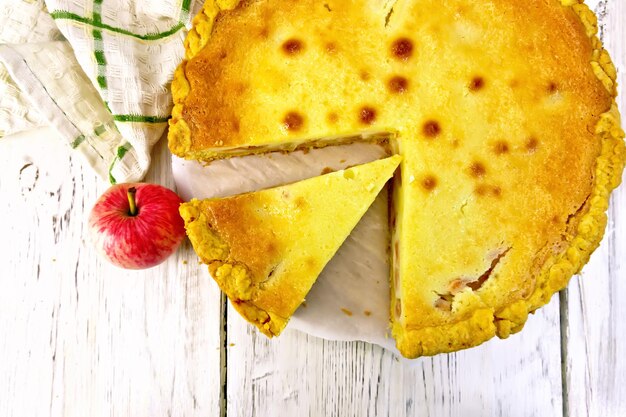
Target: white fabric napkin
(98, 71)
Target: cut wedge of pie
(266, 249)
(503, 110)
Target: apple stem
(131, 201)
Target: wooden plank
(595, 368)
(81, 337)
(297, 374)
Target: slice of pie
(503, 110)
(266, 249)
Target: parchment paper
(350, 300)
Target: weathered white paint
(82, 338)
(596, 308)
(299, 372)
(520, 376)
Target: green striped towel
(98, 71)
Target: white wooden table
(82, 338)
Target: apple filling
(457, 285)
(210, 154)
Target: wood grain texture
(298, 374)
(595, 363)
(516, 377)
(81, 337)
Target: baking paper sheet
(350, 300)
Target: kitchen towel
(98, 71)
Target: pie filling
(511, 144)
(457, 285)
(379, 137)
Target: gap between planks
(564, 327)
(223, 400)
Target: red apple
(136, 226)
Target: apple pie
(503, 111)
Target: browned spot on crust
(346, 311)
(429, 182)
(481, 189)
(292, 46)
(310, 262)
(367, 313)
(301, 203)
(367, 115)
(398, 84)
(431, 129)
(236, 127)
(332, 117)
(477, 169)
(364, 75)
(264, 32)
(514, 83)
(501, 147)
(396, 249)
(488, 190)
(552, 87)
(293, 121)
(331, 48)
(326, 170)
(531, 144)
(402, 48)
(477, 83)
(271, 248)
(398, 307)
(232, 218)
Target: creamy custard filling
(474, 98)
(395, 221)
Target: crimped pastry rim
(484, 323)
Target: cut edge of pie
(552, 276)
(556, 271)
(485, 323)
(265, 249)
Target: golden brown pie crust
(570, 161)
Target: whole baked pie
(266, 249)
(503, 111)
